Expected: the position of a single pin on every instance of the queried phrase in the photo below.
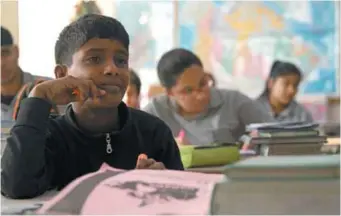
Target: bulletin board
(239, 40)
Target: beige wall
(107, 7)
(9, 17)
(9, 14)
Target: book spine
(288, 134)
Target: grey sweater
(227, 115)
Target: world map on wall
(238, 41)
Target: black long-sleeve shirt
(43, 153)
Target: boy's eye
(93, 60)
(121, 62)
(5, 53)
(187, 90)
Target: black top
(44, 153)
(6, 99)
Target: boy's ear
(60, 71)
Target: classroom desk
(309, 197)
(14, 206)
(332, 145)
(208, 170)
(278, 197)
(333, 141)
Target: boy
(92, 74)
(13, 79)
(204, 114)
(132, 96)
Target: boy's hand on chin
(68, 89)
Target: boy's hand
(148, 163)
(67, 89)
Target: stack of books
(285, 138)
(280, 185)
(279, 167)
(291, 197)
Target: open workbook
(112, 191)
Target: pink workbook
(111, 191)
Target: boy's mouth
(111, 88)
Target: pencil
(76, 92)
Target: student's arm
(250, 111)
(27, 164)
(168, 153)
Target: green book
(281, 167)
(209, 155)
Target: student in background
(92, 74)
(190, 106)
(278, 98)
(132, 95)
(13, 78)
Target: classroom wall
(180, 20)
(225, 55)
(39, 30)
(239, 41)
(9, 17)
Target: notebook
(111, 191)
(292, 149)
(275, 134)
(288, 140)
(209, 155)
(275, 126)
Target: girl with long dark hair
(279, 94)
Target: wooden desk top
(333, 141)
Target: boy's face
(9, 63)
(105, 62)
(132, 97)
